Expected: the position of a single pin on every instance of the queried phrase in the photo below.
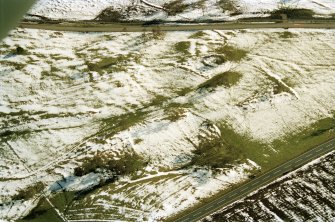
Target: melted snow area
(305, 195)
(152, 9)
(69, 96)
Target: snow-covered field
(69, 97)
(197, 9)
(305, 195)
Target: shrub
(113, 64)
(127, 163)
(158, 34)
(198, 35)
(231, 53)
(110, 15)
(228, 5)
(279, 88)
(213, 60)
(155, 34)
(174, 114)
(328, 124)
(227, 79)
(214, 152)
(137, 140)
(202, 5)
(184, 91)
(292, 13)
(287, 35)
(20, 51)
(29, 192)
(153, 22)
(216, 156)
(175, 7)
(182, 47)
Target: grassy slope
(262, 154)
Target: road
(136, 27)
(257, 183)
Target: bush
(182, 47)
(174, 114)
(29, 192)
(175, 7)
(20, 50)
(155, 34)
(198, 35)
(137, 140)
(158, 34)
(216, 156)
(113, 64)
(287, 35)
(231, 53)
(127, 163)
(153, 22)
(228, 5)
(214, 152)
(201, 4)
(110, 15)
(226, 79)
(214, 60)
(293, 13)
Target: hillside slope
(185, 10)
(152, 123)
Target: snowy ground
(198, 9)
(72, 96)
(305, 195)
